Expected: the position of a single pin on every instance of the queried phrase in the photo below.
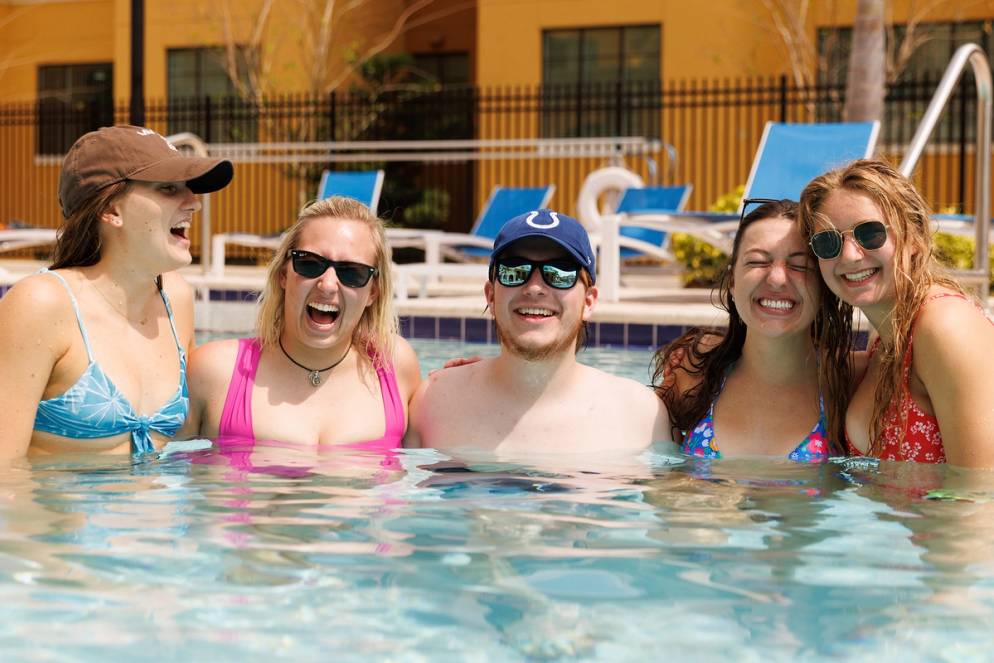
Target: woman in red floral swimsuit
(927, 394)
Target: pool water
(283, 553)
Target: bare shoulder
(405, 360)
(441, 388)
(38, 305)
(406, 367)
(212, 363)
(624, 390)
(953, 325)
(177, 289)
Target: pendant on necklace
(315, 378)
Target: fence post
(783, 97)
(207, 120)
(618, 106)
(332, 114)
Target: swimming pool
(286, 554)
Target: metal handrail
(975, 56)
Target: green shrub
(702, 262)
(956, 252)
(429, 211)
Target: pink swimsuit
(236, 418)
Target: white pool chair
(25, 238)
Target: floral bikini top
(700, 441)
(94, 408)
(918, 438)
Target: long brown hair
(77, 243)
(373, 337)
(906, 215)
(696, 354)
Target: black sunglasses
(827, 244)
(311, 265)
(561, 273)
(754, 201)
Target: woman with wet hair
(754, 389)
(326, 367)
(927, 393)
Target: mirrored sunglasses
(869, 235)
(311, 266)
(561, 274)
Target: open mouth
(782, 305)
(322, 314)
(181, 230)
(859, 277)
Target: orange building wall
(51, 33)
(452, 29)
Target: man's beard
(564, 343)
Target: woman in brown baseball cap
(93, 357)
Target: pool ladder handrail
(975, 56)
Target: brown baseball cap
(124, 152)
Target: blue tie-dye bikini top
(700, 441)
(93, 407)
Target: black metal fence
(715, 126)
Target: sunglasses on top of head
(561, 273)
(748, 202)
(311, 266)
(827, 244)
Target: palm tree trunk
(866, 83)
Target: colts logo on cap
(530, 220)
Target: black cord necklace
(314, 374)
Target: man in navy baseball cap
(535, 395)
(564, 230)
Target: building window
(909, 94)
(204, 100)
(444, 68)
(601, 81)
(72, 100)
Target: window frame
(54, 137)
(560, 99)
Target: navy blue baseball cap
(564, 230)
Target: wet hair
(710, 352)
(906, 215)
(374, 333)
(77, 243)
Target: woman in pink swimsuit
(326, 366)
(927, 394)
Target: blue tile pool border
(633, 335)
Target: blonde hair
(906, 215)
(373, 336)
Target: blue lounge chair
(788, 157)
(504, 203)
(364, 186)
(638, 240)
